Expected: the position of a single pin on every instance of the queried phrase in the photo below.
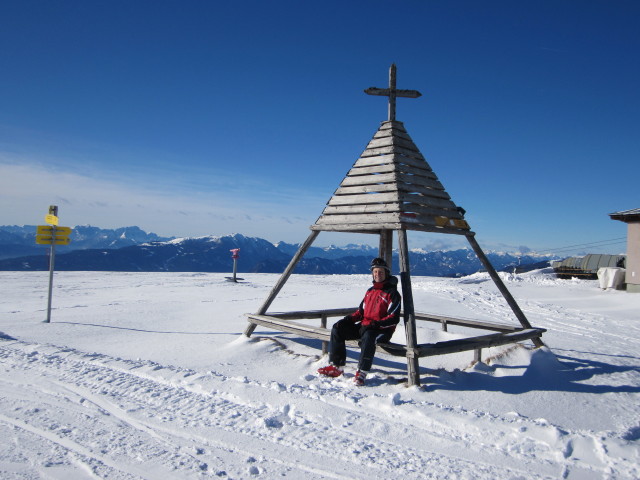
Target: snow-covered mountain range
(131, 249)
(19, 241)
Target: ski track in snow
(152, 421)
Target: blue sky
(192, 118)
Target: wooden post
(392, 93)
(323, 324)
(385, 251)
(477, 355)
(413, 366)
(283, 279)
(503, 289)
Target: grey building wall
(633, 257)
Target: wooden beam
(413, 366)
(483, 341)
(310, 314)
(283, 279)
(289, 327)
(443, 319)
(501, 286)
(385, 249)
(396, 349)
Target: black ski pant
(344, 330)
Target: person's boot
(360, 377)
(331, 371)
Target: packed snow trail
(91, 414)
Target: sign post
(235, 255)
(53, 235)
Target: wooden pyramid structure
(392, 188)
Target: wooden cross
(392, 92)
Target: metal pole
(235, 269)
(52, 256)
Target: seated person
(372, 323)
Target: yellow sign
(48, 240)
(51, 219)
(451, 222)
(48, 231)
(63, 231)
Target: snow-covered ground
(148, 375)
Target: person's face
(379, 274)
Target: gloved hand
(365, 328)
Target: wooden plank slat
(352, 209)
(287, 326)
(360, 228)
(310, 314)
(387, 197)
(392, 125)
(420, 184)
(431, 211)
(375, 160)
(429, 317)
(392, 133)
(429, 192)
(425, 200)
(473, 343)
(375, 228)
(369, 218)
(391, 140)
(361, 189)
(392, 158)
(393, 149)
(415, 162)
(374, 183)
(410, 173)
(368, 180)
(391, 207)
(498, 327)
(386, 168)
(420, 172)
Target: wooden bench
(289, 322)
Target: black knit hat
(380, 263)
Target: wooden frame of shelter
(391, 187)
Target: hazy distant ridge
(144, 252)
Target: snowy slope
(147, 375)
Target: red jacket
(380, 307)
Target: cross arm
(385, 92)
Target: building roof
(632, 215)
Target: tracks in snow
(124, 419)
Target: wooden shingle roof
(391, 187)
